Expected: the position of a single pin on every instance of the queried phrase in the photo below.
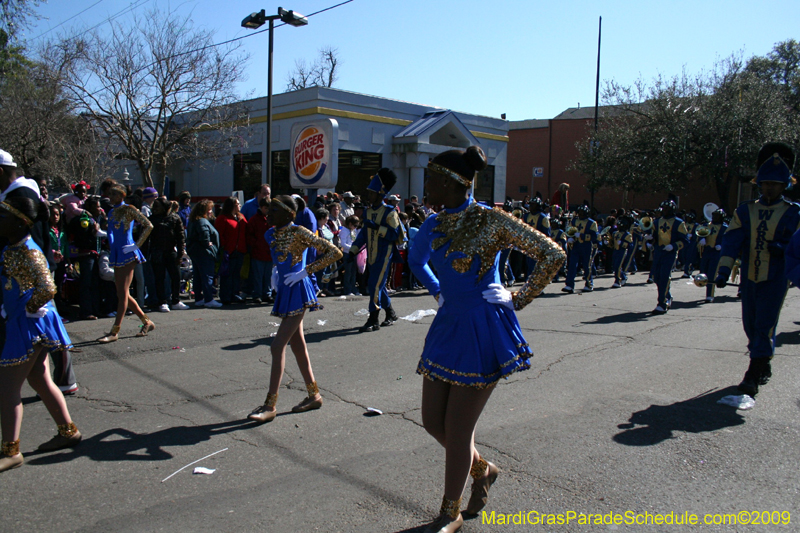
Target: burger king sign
(314, 155)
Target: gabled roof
(440, 127)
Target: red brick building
(540, 153)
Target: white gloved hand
(668, 248)
(648, 237)
(129, 248)
(718, 247)
(275, 278)
(570, 240)
(295, 277)
(440, 300)
(497, 294)
(40, 313)
(649, 246)
(702, 242)
(619, 243)
(3, 311)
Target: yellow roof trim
(359, 116)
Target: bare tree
(152, 90)
(322, 73)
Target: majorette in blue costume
(670, 235)
(582, 242)
(475, 339)
(760, 231)
(382, 231)
(120, 234)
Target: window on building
(247, 173)
(484, 185)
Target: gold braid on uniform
(29, 268)
(292, 239)
(479, 233)
(17, 213)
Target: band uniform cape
(473, 342)
(289, 246)
(27, 286)
(120, 233)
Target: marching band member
(125, 255)
(583, 242)
(669, 237)
(33, 328)
(709, 248)
(289, 244)
(475, 338)
(623, 246)
(760, 231)
(382, 230)
(689, 255)
(536, 219)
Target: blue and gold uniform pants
(761, 308)
(663, 262)
(581, 253)
(619, 260)
(376, 282)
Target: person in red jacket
(231, 226)
(260, 255)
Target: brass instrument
(572, 231)
(702, 231)
(708, 209)
(735, 271)
(605, 235)
(646, 223)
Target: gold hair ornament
(16, 213)
(450, 174)
(283, 205)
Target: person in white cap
(348, 207)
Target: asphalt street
(618, 414)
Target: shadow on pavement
(120, 444)
(696, 415)
(623, 318)
(788, 337)
(316, 336)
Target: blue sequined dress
(120, 233)
(473, 342)
(289, 245)
(27, 285)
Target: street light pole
(255, 21)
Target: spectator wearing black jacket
(167, 245)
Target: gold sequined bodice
(28, 267)
(294, 240)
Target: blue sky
(528, 59)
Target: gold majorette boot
(483, 475)
(146, 327)
(449, 519)
(267, 411)
(111, 337)
(10, 456)
(68, 437)
(310, 403)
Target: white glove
(275, 278)
(619, 243)
(649, 246)
(440, 300)
(40, 313)
(497, 294)
(293, 278)
(702, 242)
(668, 248)
(570, 240)
(129, 248)
(718, 247)
(3, 311)
(648, 237)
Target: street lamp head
(254, 21)
(292, 18)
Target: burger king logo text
(308, 155)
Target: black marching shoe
(372, 322)
(758, 373)
(391, 318)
